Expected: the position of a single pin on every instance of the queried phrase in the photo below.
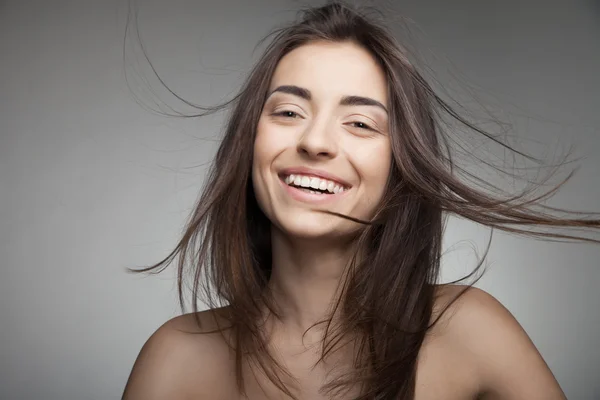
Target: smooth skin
(335, 123)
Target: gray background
(91, 182)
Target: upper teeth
(314, 182)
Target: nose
(318, 141)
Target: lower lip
(308, 197)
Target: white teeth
(305, 181)
(313, 183)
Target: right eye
(287, 114)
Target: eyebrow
(345, 101)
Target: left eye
(362, 125)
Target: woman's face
(322, 140)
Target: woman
(319, 231)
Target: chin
(318, 226)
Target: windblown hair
(388, 293)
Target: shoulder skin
(179, 362)
(489, 339)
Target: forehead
(332, 70)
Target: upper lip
(315, 172)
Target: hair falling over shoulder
(388, 293)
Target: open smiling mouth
(313, 185)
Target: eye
(361, 125)
(287, 114)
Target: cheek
(373, 164)
(258, 161)
(268, 143)
(266, 148)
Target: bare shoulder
(487, 336)
(182, 359)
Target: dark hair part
(389, 292)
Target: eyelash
(283, 114)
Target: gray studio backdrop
(92, 182)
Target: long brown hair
(388, 294)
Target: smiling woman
(323, 125)
(317, 241)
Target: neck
(305, 282)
